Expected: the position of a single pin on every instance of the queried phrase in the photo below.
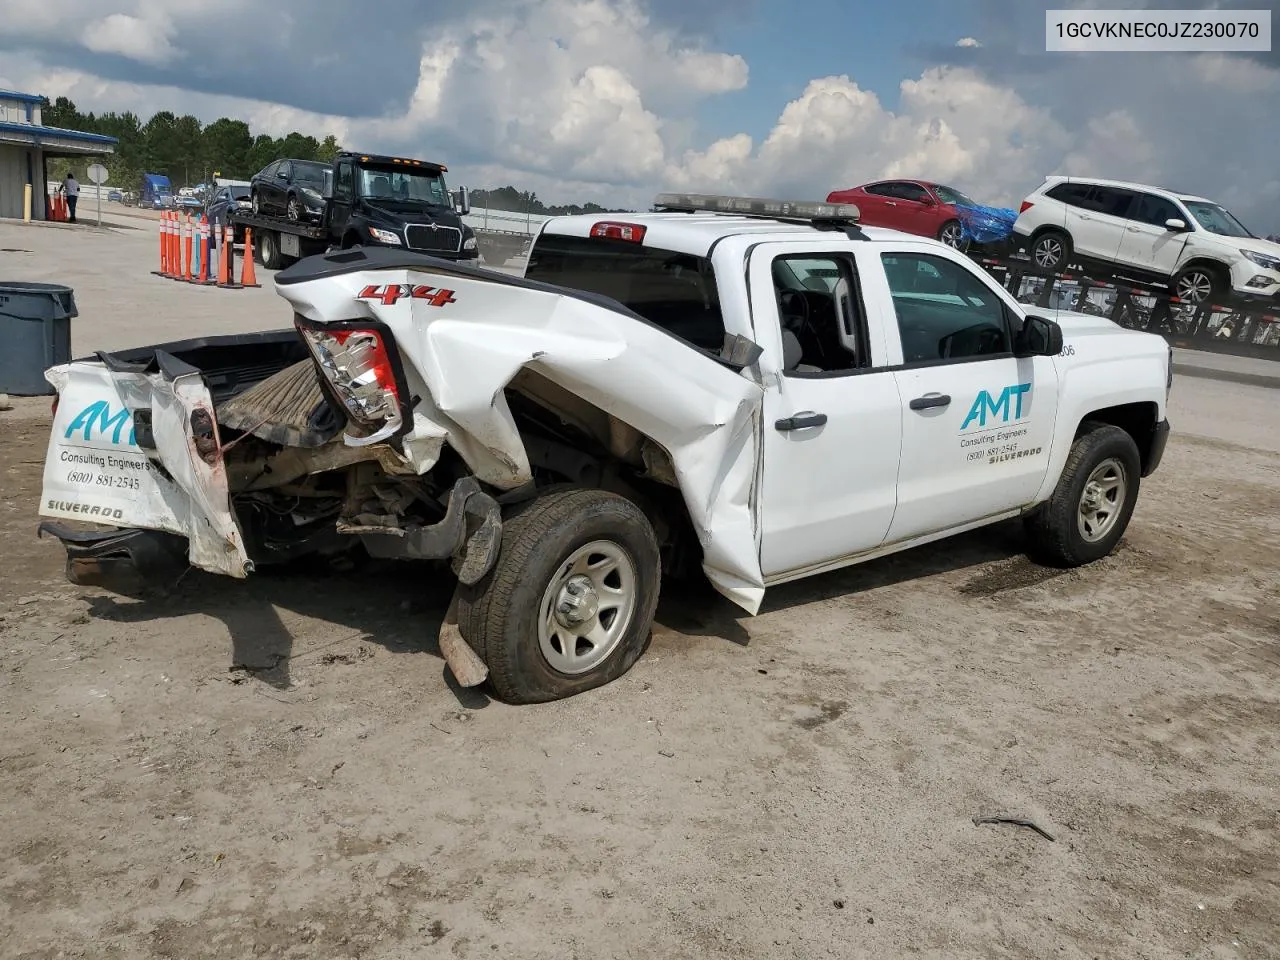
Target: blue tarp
(986, 224)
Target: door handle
(890, 203)
(930, 400)
(801, 421)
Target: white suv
(1194, 245)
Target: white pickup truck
(759, 388)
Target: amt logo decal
(1008, 405)
(98, 417)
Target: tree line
(190, 153)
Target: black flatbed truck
(372, 200)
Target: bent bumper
(1155, 449)
(123, 560)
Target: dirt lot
(282, 769)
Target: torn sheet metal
(461, 354)
(96, 470)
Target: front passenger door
(977, 421)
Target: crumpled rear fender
(460, 356)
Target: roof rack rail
(822, 216)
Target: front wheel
(1197, 284)
(254, 203)
(293, 210)
(570, 601)
(1090, 508)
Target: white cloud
(950, 125)
(595, 99)
(144, 40)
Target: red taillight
(358, 365)
(1026, 205)
(612, 230)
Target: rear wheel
(269, 246)
(1090, 508)
(952, 234)
(1051, 250)
(569, 604)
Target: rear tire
(1051, 250)
(569, 604)
(1090, 508)
(269, 248)
(952, 234)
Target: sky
(616, 100)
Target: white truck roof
(696, 233)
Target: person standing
(72, 191)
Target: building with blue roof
(26, 145)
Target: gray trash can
(35, 328)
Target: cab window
(674, 291)
(944, 312)
(821, 316)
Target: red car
(913, 206)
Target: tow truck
(762, 390)
(372, 200)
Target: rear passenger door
(1101, 221)
(832, 420)
(976, 420)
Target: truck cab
(759, 389)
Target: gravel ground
(281, 768)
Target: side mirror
(1039, 337)
(739, 352)
(1175, 223)
(462, 201)
(928, 201)
(282, 174)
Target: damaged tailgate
(136, 445)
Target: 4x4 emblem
(392, 292)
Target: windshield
(312, 174)
(423, 186)
(1215, 219)
(952, 195)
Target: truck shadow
(697, 608)
(399, 606)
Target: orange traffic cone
(166, 230)
(205, 250)
(164, 252)
(175, 246)
(186, 248)
(248, 275)
(226, 264)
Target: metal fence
(1250, 329)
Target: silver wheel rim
(1102, 500)
(1048, 252)
(587, 607)
(254, 204)
(1195, 286)
(293, 209)
(952, 235)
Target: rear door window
(1072, 194)
(1111, 201)
(674, 291)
